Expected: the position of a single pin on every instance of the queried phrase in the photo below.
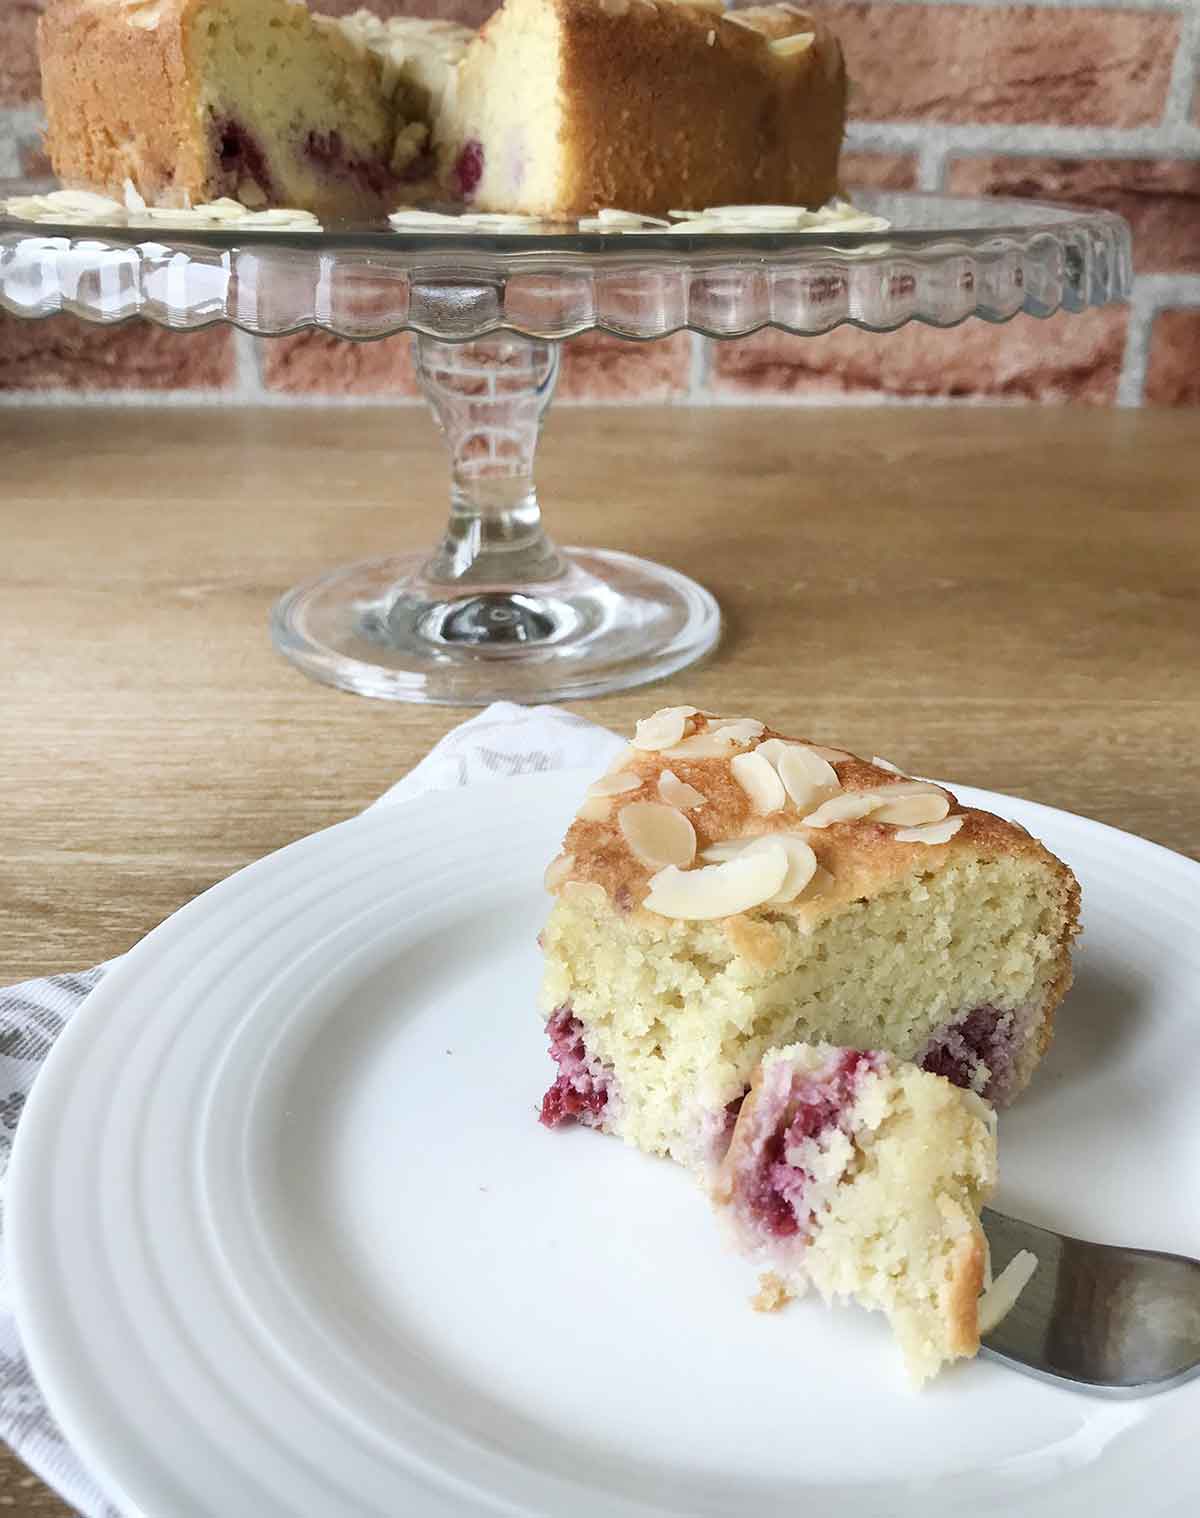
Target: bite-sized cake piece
(863, 1175)
(566, 106)
(726, 890)
(258, 100)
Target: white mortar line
(1152, 293)
(1184, 75)
(1181, 140)
(931, 164)
(248, 388)
(699, 369)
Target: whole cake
(726, 890)
(562, 107)
(863, 1176)
(556, 107)
(258, 100)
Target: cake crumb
(772, 1293)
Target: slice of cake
(863, 1175)
(726, 890)
(257, 100)
(562, 107)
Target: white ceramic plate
(288, 1240)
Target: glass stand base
(610, 621)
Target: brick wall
(1094, 101)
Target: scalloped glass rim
(946, 258)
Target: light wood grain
(1008, 598)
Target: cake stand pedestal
(498, 611)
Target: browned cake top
(707, 817)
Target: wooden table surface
(1009, 598)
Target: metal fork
(1115, 1321)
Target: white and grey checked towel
(502, 740)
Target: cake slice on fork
(863, 1175)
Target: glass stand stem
(497, 611)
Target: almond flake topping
(930, 832)
(808, 778)
(788, 47)
(906, 803)
(1001, 1296)
(614, 785)
(676, 793)
(802, 862)
(658, 835)
(718, 741)
(662, 728)
(595, 809)
(719, 890)
(756, 776)
(557, 871)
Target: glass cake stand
(498, 610)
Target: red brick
(63, 353)
(313, 363)
(20, 80)
(598, 367)
(1159, 197)
(1067, 358)
(1173, 374)
(1018, 64)
(878, 171)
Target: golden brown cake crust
(119, 102)
(675, 107)
(861, 856)
(962, 1294)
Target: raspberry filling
(581, 1090)
(978, 1052)
(241, 155)
(794, 1106)
(468, 168)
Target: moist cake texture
(258, 100)
(555, 108)
(567, 106)
(863, 1176)
(725, 891)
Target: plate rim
(71, 1047)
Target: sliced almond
(598, 809)
(557, 871)
(845, 807)
(662, 728)
(1001, 1296)
(740, 728)
(911, 811)
(658, 835)
(758, 779)
(886, 764)
(911, 802)
(580, 891)
(788, 47)
(802, 863)
(719, 890)
(614, 785)
(808, 778)
(676, 792)
(717, 742)
(930, 832)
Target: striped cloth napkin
(502, 740)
